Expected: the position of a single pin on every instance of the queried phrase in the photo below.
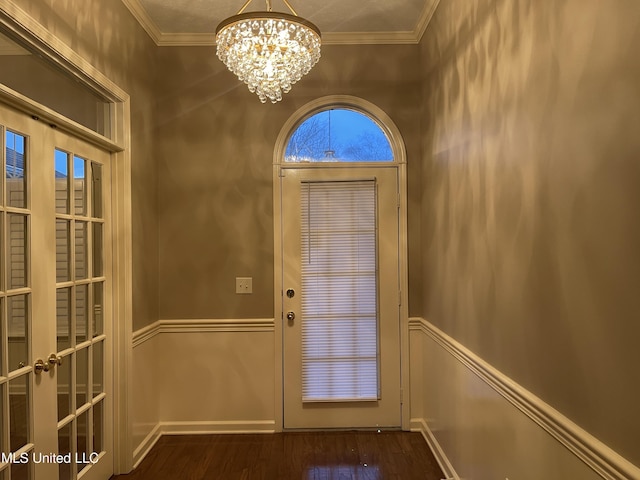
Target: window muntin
(338, 135)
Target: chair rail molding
(599, 457)
(202, 325)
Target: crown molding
(143, 18)
(162, 39)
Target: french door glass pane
(63, 373)
(20, 471)
(17, 241)
(98, 349)
(63, 252)
(16, 168)
(98, 323)
(63, 318)
(62, 181)
(96, 184)
(80, 186)
(64, 448)
(82, 325)
(97, 249)
(98, 427)
(81, 242)
(82, 376)
(19, 412)
(18, 316)
(83, 441)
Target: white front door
(55, 368)
(341, 314)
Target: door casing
(36, 38)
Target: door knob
(40, 366)
(54, 360)
(291, 316)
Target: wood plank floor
(284, 456)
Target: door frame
(400, 162)
(41, 41)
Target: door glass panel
(16, 169)
(63, 253)
(80, 186)
(20, 471)
(17, 241)
(83, 441)
(64, 448)
(63, 373)
(63, 318)
(98, 422)
(82, 376)
(98, 349)
(81, 250)
(339, 291)
(18, 412)
(17, 316)
(98, 324)
(62, 181)
(97, 250)
(81, 313)
(96, 198)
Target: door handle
(40, 366)
(291, 316)
(54, 360)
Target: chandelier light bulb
(269, 51)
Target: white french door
(341, 315)
(55, 349)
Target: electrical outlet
(244, 285)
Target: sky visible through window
(339, 135)
(62, 166)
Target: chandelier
(269, 51)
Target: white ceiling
(193, 22)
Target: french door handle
(291, 316)
(40, 366)
(54, 360)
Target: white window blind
(339, 291)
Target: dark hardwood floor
(284, 456)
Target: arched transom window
(338, 135)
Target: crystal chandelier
(269, 51)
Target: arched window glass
(339, 135)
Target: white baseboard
(217, 427)
(147, 444)
(420, 425)
(198, 428)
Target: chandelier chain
(269, 7)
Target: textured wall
(105, 33)
(531, 191)
(215, 154)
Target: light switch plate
(244, 285)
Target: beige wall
(530, 199)
(215, 154)
(104, 33)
